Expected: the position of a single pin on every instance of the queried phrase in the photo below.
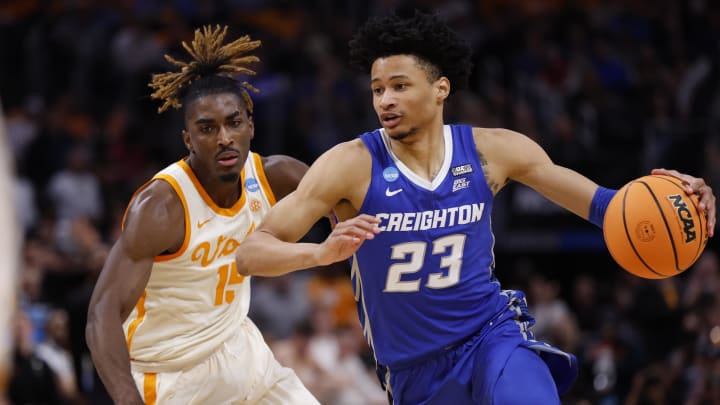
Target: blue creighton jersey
(426, 281)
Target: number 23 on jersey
(451, 247)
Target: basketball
(653, 228)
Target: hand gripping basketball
(653, 228)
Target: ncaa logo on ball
(685, 217)
(391, 174)
(252, 185)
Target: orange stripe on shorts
(150, 389)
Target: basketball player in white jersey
(168, 321)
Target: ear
(186, 140)
(442, 88)
(251, 125)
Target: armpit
(492, 183)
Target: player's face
(218, 133)
(404, 98)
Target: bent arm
(152, 227)
(516, 157)
(563, 186)
(271, 250)
(108, 308)
(511, 155)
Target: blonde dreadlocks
(210, 58)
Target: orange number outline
(227, 276)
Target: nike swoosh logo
(391, 193)
(202, 223)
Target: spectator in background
(24, 193)
(323, 346)
(74, 181)
(279, 305)
(553, 320)
(54, 350)
(32, 381)
(650, 387)
(356, 385)
(294, 352)
(703, 279)
(328, 288)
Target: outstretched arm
(338, 177)
(154, 224)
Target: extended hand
(696, 185)
(347, 237)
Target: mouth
(390, 120)
(228, 159)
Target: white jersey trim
(412, 176)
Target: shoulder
(283, 173)
(501, 143)
(504, 154)
(155, 219)
(157, 195)
(496, 137)
(346, 160)
(341, 173)
(353, 151)
(510, 154)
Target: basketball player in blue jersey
(168, 321)
(413, 200)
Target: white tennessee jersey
(195, 300)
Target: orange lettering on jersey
(222, 247)
(229, 247)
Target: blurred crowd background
(610, 88)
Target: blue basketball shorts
(500, 365)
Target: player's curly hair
(211, 70)
(425, 36)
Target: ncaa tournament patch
(391, 174)
(460, 170)
(252, 185)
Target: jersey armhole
(176, 187)
(475, 155)
(262, 178)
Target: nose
(223, 138)
(387, 100)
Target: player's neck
(424, 152)
(223, 193)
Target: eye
(206, 129)
(377, 91)
(235, 123)
(401, 86)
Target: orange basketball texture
(653, 228)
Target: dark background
(611, 89)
